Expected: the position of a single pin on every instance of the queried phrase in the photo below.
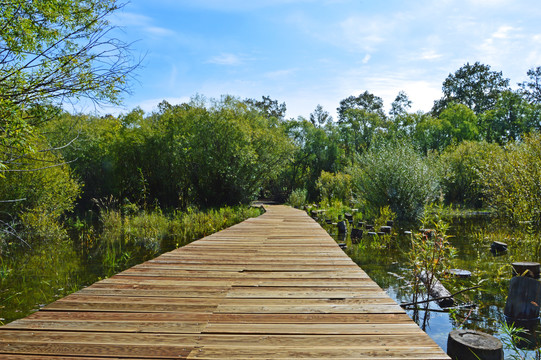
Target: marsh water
(35, 278)
(477, 309)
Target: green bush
(460, 171)
(298, 198)
(511, 181)
(334, 186)
(394, 174)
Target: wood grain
(272, 287)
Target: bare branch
(12, 201)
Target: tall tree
(475, 86)
(400, 105)
(512, 117)
(532, 88)
(365, 101)
(268, 107)
(52, 51)
(320, 117)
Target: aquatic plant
(430, 253)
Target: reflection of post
(523, 299)
(527, 338)
(473, 345)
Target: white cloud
(142, 22)
(226, 59)
(504, 32)
(490, 2)
(364, 33)
(123, 18)
(366, 58)
(430, 55)
(232, 5)
(159, 31)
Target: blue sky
(305, 52)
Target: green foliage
(335, 186)
(512, 179)
(53, 50)
(458, 123)
(532, 88)
(335, 209)
(430, 252)
(316, 149)
(40, 180)
(461, 165)
(38, 192)
(513, 337)
(365, 101)
(298, 198)
(394, 174)
(512, 117)
(202, 153)
(386, 241)
(359, 128)
(320, 117)
(475, 86)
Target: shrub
(297, 198)
(394, 174)
(334, 186)
(512, 179)
(460, 171)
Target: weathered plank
(275, 287)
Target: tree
(52, 51)
(400, 121)
(400, 105)
(532, 89)
(457, 123)
(512, 117)
(317, 149)
(268, 107)
(358, 128)
(365, 101)
(475, 86)
(320, 117)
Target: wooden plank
(275, 287)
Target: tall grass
(129, 237)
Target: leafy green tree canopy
(475, 86)
(268, 107)
(532, 88)
(320, 117)
(365, 101)
(51, 51)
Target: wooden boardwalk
(272, 287)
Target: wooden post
(385, 229)
(529, 269)
(356, 234)
(498, 247)
(473, 345)
(523, 299)
(342, 227)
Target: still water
(478, 309)
(44, 274)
